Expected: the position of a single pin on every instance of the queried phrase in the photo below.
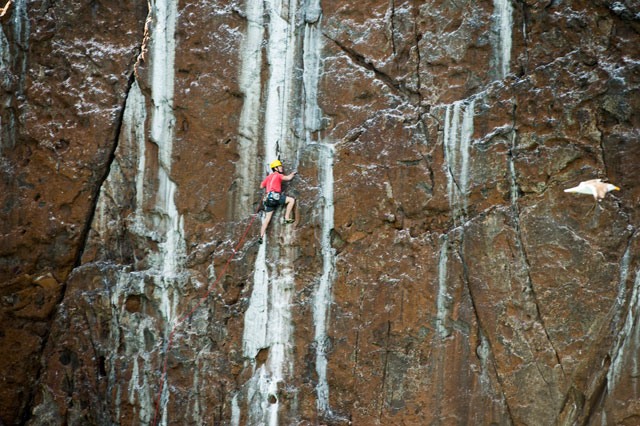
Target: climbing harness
(166, 355)
(270, 199)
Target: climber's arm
(287, 178)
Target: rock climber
(273, 196)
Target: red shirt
(273, 182)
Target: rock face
(65, 70)
(436, 273)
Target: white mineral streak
(160, 221)
(132, 139)
(135, 373)
(280, 326)
(514, 176)
(322, 295)
(5, 63)
(100, 221)
(268, 317)
(255, 318)
(258, 398)
(483, 351)
(235, 411)
(281, 51)
(111, 363)
(5, 53)
(457, 140)
(624, 273)
(128, 333)
(442, 310)
(249, 124)
(134, 117)
(21, 30)
(162, 124)
(156, 217)
(628, 343)
(466, 132)
(268, 325)
(450, 150)
(628, 340)
(312, 123)
(20, 36)
(503, 18)
(311, 63)
(196, 412)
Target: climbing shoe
(288, 221)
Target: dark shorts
(281, 202)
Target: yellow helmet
(276, 164)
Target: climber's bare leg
(265, 222)
(290, 203)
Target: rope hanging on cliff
(164, 368)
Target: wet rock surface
(436, 272)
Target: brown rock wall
(465, 287)
(70, 66)
(571, 147)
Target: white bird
(594, 187)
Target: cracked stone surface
(465, 286)
(70, 65)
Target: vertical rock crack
(519, 242)
(465, 275)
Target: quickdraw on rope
(166, 355)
